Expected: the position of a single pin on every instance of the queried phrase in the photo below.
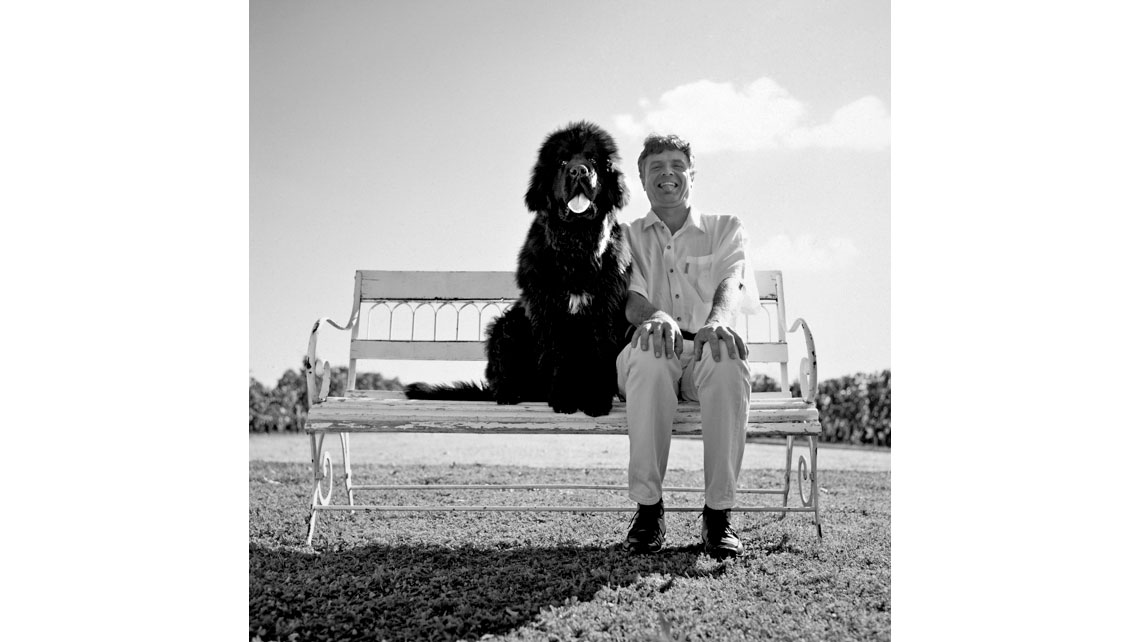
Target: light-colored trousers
(652, 386)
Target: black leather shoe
(719, 540)
(647, 529)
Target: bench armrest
(809, 375)
(317, 368)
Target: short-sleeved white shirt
(678, 273)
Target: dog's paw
(564, 404)
(598, 407)
(564, 408)
(507, 398)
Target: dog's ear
(614, 188)
(538, 195)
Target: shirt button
(670, 270)
(668, 247)
(677, 296)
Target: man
(690, 278)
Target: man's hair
(657, 143)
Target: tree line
(853, 409)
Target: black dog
(559, 342)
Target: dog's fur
(559, 342)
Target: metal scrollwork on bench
(809, 377)
(316, 370)
(322, 473)
(803, 476)
(391, 307)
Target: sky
(400, 136)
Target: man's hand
(663, 332)
(714, 333)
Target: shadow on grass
(561, 576)
(397, 592)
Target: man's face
(667, 178)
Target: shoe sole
(721, 553)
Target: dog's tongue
(579, 204)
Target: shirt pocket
(698, 271)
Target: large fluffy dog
(559, 342)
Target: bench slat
(384, 285)
(473, 351)
(377, 426)
(422, 409)
(767, 353)
(449, 286)
(756, 400)
(767, 284)
(339, 414)
(418, 350)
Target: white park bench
(433, 302)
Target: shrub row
(283, 408)
(854, 409)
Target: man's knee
(726, 371)
(639, 368)
(647, 361)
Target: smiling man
(690, 279)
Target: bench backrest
(478, 297)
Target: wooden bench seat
(474, 299)
(384, 411)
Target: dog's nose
(578, 171)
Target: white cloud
(763, 115)
(864, 124)
(804, 253)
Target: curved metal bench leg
(787, 477)
(312, 527)
(812, 441)
(322, 469)
(347, 469)
(316, 490)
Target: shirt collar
(694, 220)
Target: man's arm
(725, 306)
(726, 301)
(653, 325)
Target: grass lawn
(560, 576)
